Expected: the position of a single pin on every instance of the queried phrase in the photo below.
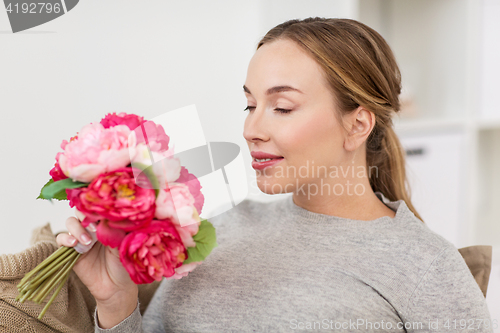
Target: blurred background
(125, 56)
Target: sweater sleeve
(131, 324)
(447, 298)
(151, 322)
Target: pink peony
(118, 201)
(152, 252)
(153, 135)
(176, 203)
(109, 236)
(130, 120)
(64, 143)
(97, 150)
(186, 233)
(150, 133)
(183, 270)
(194, 187)
(166, 168)
(56, 173)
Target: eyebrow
(274, 90)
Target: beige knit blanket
(72, 310)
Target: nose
(256, 125)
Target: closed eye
(282, 110)
(250, 108)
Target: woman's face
(281, 76)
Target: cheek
(314, 138)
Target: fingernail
(86, 239)
(92, 227)
(72, 240)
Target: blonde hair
(361, 71)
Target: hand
(100, 268)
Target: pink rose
(194, 187)
(152, 252)
(56, 173)
(183, 270)
(130, 120)
(118, 201)
(97, 150)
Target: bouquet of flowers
(124, 180)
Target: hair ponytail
(390, 160)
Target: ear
(360, 123)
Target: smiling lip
(260, 155)
(265, 164)
(262, 165)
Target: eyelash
(277, 109)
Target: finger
(82, 248)
(65, 239)
(79, 215)
(76, 229)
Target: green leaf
(44, 186)
(205, 242)
(61, 195)
(57, 190)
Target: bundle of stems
(52, 272)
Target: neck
(348, 197)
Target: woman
(347, 250)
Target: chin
(268, 186)
(269, 190)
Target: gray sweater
(282, 268)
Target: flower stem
(35, 290)
(25, 296)
(47, 271)
(56, 292)
(52, 280)
(54, 270)
(44, 263)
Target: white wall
(123, 56)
